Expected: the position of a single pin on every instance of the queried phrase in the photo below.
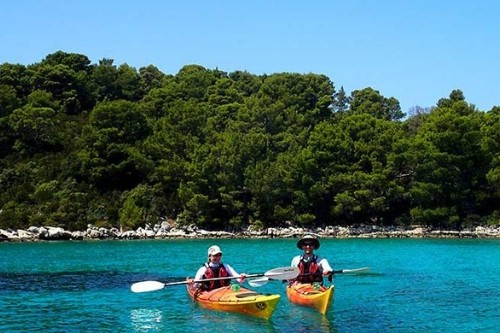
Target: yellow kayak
(306, 294)
(236, 299)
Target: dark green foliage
(66, 77)
(371, 102)
(101, 144)
(108, 155)
(35, 130)
(451, 164)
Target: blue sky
(416, 51)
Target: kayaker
(214, 268)
(312, 267)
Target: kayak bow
(306, 294)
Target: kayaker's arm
(232, 272)
(325, 266)
(198, 276)
(329, 275)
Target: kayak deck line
(309, 292)
(247, 295)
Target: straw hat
(308, 239)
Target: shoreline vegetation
(165, 231)
(111, 145)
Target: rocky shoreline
(165, 230)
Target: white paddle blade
(258, 282)
(363, 270)
(283, 273)
(145, 286)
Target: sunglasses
(308, 244)
(217, 255)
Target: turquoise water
(440, 285)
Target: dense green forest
(109, 145)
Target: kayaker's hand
(242, 277)
(190, 281)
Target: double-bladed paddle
(282, 273)
(262, 281)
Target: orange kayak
(306, 294)
(234, 299)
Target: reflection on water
(146, 320)
(304, 319)
(221, 321)
(325, 325)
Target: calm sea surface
(445, 285)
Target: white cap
(214, 249)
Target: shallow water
(416, 285)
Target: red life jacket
(213, 272)
(309, 271)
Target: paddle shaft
(213, 279)
(263, 281)
(346, 271)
